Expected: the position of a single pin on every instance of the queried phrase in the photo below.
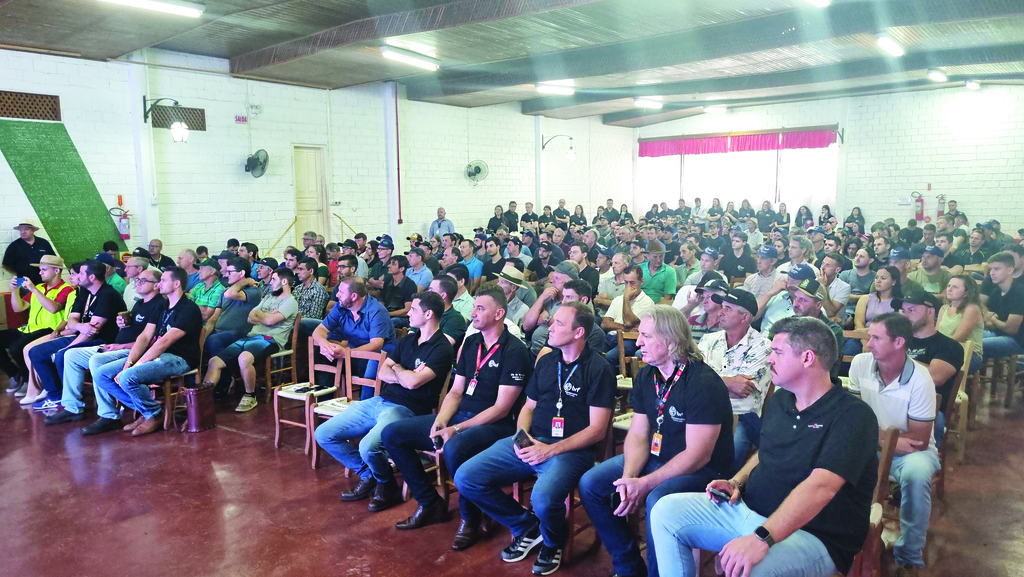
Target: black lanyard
(558, 405)
(663, 394)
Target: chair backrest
(622, 336)
(959, 381)
(329, 307)
(767, 395)
(294, 341)
(336, 369)
(444, 390)
(888, 446)
(360, 381)
(737, 281)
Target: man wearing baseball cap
(739, 355)
(659, 278)
(807, 298)
(930, 275)
(780, 305)
(418, 271)
(536, 319)
(765, 277)
(698, 307)
(709, 260)
(378, 272)
(113, 279)
(350, 247)
(208, 290)
(264, 269)
(26, 251)
(899, 257)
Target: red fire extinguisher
(942, 204)
(919, 203)
(124, 225)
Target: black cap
(269, 262)
(350, 244)
(226, 254)
(917, 297)
(712, 281)
(738, 297)
(212, 263)
(418, 251)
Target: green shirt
(934, 284)
(118, 283)
(661, 283)
(206, 297)
(683, 272)
(453, 325)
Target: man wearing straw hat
(26, 251)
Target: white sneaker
(247, 403)
(28, 400)
(21, 390)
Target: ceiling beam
(672, 110)
(708, 42)
(828, 73)
(448, 15)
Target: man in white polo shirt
(901, 393)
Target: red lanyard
(480, 362)
(663, 396)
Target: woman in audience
(496, 221)
(856, 217)
(960, 318)
(370, 254)
(887, 287)
(653, 213)
(782, 218)
(319, 254)
(600, 213)
(624, 215)
(578, 218)
(803, 216)
(746, 211)
(765, 217)
(851, 247)
(730, 216)
(715, 212)
(825, 216)
(780, 247)
(435, 244)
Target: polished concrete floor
(225, 502)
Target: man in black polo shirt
(413, 377)
(941, 354)
(489, 377)
(680, 439)
(26, 251)
(806, 494)
(568, 408)
(494, 262)
(561, 215)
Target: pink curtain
(662, 148)
(750, 142)
(710, 145)
(808, 139)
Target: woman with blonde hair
(960, 318)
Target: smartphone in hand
(522, 440)
(616, 500)
(720, 495)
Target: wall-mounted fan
(476, 171)
(257, 163)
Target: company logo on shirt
(677, 416)
(493, 364)
(815, 426)
(571, 390)
(518, 377)
(418, 363)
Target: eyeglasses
(144, 281)
(154, 246)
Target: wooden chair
(737, 281)
(435, 462)
(867, 563)
(283, 362)
(304, 393)
(168, 392)
(861, 336)
(958, 408)
(623, 362)
(326, 410)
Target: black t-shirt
(987, 286)
(185, 316)
(746, 213)
(765, 219)
(578, 220)
(491, 269)
(951, 260)
(735, 266)
(537, 268)
(966, 257)
(698, 398)
(611, 214)
(624, 216)
(545, 219)
(394, 297)
(21, 255)
(528, 217)
(494, 223)
(911, 236)
(683, 214)
(432, 264)
(510, 365)
(839, 433)
(560, 213)
(1012, 303)
(164, 263)
(715, 211)
(143, 313)
(719, 243)
(938, 346)
(106, 303)
(511, 220)
(592, 385)
(593, 278)
(437, 353)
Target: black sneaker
(548, 560)
(522, 545)
(63, 416)
(103, 425)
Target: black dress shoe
(363, 490)
(102, 425)
(467, 536)
(436, 513)
(385, 496)
(63, 416)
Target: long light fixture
(716, 109)
(890, 46)
(175, 7)
(648, 102)
(973, 85)
(937, 76)
(557, 87)
(409, 57)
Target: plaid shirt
(207, 297)
(747, 357)
(312, 300)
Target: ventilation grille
(165, 116)
(29, 106)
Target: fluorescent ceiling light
(648, 103)
(565, 82)
(716, 109)
(409, 57)
(167, 6)
(973, 85)
(937, 76)
(412, 46)
(820, 3)
(890, 46)
(556, 90)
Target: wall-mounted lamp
(179, 130)
(570, 155)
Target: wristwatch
(764, 535)
(457, 429)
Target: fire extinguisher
(942, 204)
(919, 202)
(124, 225)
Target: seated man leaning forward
(568, 410)
(272, 321)
(478, 411)
(680, 439)
(801, 505)
(413, 378)
(167, 347)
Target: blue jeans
(259, 347)
(47, 359)
(364, 419)
(747, 434)
(132, 390)
(400, 322)
(994, 345)
(682, 522)
(77, 362)
(595, 491)
(404, 438)
(852, 347)
(216, 342)
(975, 365)
(307, 326)
(914, 472)
(482, 480)
(359, 366)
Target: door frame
(324, 225)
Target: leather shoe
(148, 426)
(436, 513)
(131, 426)
(102, 425)
(363, 490)
(385, 496)
(467, 536)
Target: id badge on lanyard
(558, 422)
(657, 438)
(480, 362)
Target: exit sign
(241, 119)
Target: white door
(310, 192)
